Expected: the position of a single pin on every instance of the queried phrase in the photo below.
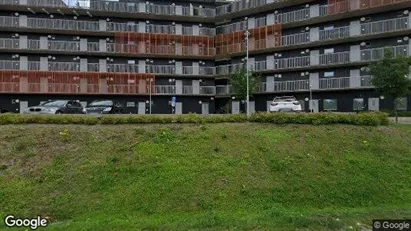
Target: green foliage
(400, 113)
(246, 176)
(390, 74)
(238, 81)
(368, 119)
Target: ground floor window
(402, 104)
(358, 104)
(330, 105)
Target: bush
(367, 119)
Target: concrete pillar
(355, 78)
(314, 58)
(142, 7)
(179, 68)
(83, 44)
(141, 27)
(23, 20)
(142, 66)
(24, 63)
(179, 10)
(102, 65)
(251, 23)
(355, 53)
(270, 19)
(314, 34)
(44, 85)
(196, 30)
(179, 29)
(196, 68)
(196, 87)
(179, 49)
(23, 42)
(191, 9)
(314, 81)
(270, 62)
(44, 43)
(269, 83)
(103, 85)
(102, 45)
(314, 11)
(179, 87)
(44, 64)
(102, 25)
(83, 85)
(355, 28)
(83, 65)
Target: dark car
(103, 107)
(56, 107)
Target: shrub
(368, 119)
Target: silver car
(56, 107)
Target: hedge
(368, 119)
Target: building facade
(131, 51)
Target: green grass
(241, 176)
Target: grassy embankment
(212, 176)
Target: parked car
(56, 107)
(285, 104)
(103, 107)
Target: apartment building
(185, 51)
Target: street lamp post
(247, 33)
(311, 99)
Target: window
(358, 104)
(329, 74)
(330, 105)
(329, 27)
(402, 104)
(329, 50)
(131, 62)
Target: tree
(391, 77)
(238, 82)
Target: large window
(330, 105)
(358, 104)
(402, 104)
(329, 74)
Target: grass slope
(209, 177)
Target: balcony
(377, 53)
(9, 65)
(63, 66)
(62, 24)
(335, 58)
(295, 39)
(161, 69)
(122, 27)
(207, 90)
(293, 16)
(335, 33)
(223, 90)
(383, 26)
(165, 89)
(9, 43)
(119, 7)
(64, 46)
(122, 68)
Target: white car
(285, 104)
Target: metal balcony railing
(62, 24)
(366, 81)
(293, 16)
(295, 39)
(239, 5)
(335, 58)
(207, 71)
(64, 46)
(126, 68)
(161, 9)
(64, 66)
(161, 29)
(9, 65)
(93, 46)
(187, 90)
(335, 33)
(237, 26)
(383, 26)
(33, 44)
(207, 90)
(9, 43)
(378, 53)
(161, 69)
(122, 27)
(285, 86)
(7, 21)
(260, 65)
(188, 70)
(34, 65)
(295, 62)
(260, 21)
(223, 90)
(93, 67)
(207, 31)
(165, 89)
(335, 83)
